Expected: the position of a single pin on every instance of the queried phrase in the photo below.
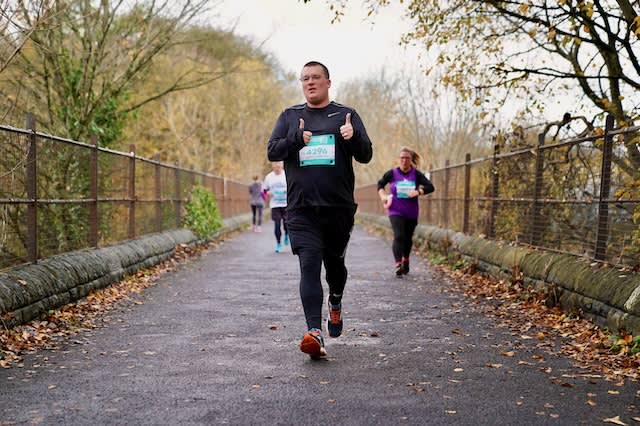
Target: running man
(318, 141)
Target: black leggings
(311, 292)
(256, 215)
(402, 236)
(320, 236)
(279, 216)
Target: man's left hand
(346, 130)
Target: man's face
(315, 85)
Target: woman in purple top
(406, 183)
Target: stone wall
(29, 290)
(608, 296)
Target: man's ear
(329, 82)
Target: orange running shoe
(313, 344)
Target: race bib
(403, 188)
(320, 151)
(279, 196)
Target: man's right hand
(306, 135)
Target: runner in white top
(275, 184)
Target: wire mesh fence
(579, 196)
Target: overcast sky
(296, 32)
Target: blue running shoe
(278, 247)
(286, 239)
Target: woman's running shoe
(405, 265)
(399, 269)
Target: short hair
(316, 63)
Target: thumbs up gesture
(346, 130)
(306, 135)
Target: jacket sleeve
(385, 179)
(286, 138)
(423, 181)
(360, 144)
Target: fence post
(158, 190)
(225, 202)
(534, 236)
(132, 191)
(192, 178)
(32, 191)
(93, 193)
(429, 203)
(602, 232)
(445, 196)
(467, 191)
(495, 191)
(178, 193)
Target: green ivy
(625, 344)
(203, 216)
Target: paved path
(216, 343)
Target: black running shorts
(325, 229)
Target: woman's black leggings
(402, 236)
(256, 215)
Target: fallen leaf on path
(524, 311)
(615, 420)
(84, 313)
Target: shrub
(203, 216)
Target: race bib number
(404, 187)
(320, 151)
(279, 196)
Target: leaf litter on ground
(85, 314)
(525, 312)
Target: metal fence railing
(579, 196)
(58, 195)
